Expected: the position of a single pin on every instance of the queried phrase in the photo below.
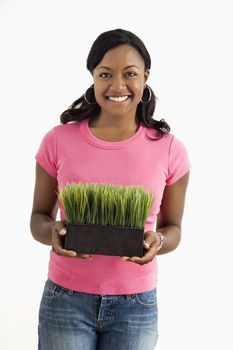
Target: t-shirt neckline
(93, 140)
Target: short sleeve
(178, 163)
(46, 154)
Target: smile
(117, 98)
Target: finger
(70, 253)
(66, 253)
(146, 245)
(84, 256)
(61, 229)
(57, 246)
(150, 239)
(148, 257)
(125, 258)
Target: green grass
(106, 204)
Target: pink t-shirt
(71, 153)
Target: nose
(118, 84)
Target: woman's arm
(171, 213)
(168, 223)
(44, 208)
(43, 224)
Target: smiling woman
(118, 58)
(119, 81)
(108, 135)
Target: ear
(146, 75)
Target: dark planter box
(104, 240)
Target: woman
(108, 302)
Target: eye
(105, 75)
(130, 74)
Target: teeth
(118, 99)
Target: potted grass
(104, 218)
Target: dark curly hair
(80, 109)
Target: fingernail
(146, 245)
(63, 231)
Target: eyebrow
(130, 66)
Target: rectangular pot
(104, 240)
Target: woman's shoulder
(68, 126)
(59, 132)
(155, 135)
(62, 129)
(169, 142)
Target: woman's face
(119, 81)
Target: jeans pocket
(147, 299)
(51, 290)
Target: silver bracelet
(161, 237)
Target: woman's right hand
(58, 233)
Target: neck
(115, 123)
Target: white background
(44, 45)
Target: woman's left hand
(150, 243)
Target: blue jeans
(70, 320)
